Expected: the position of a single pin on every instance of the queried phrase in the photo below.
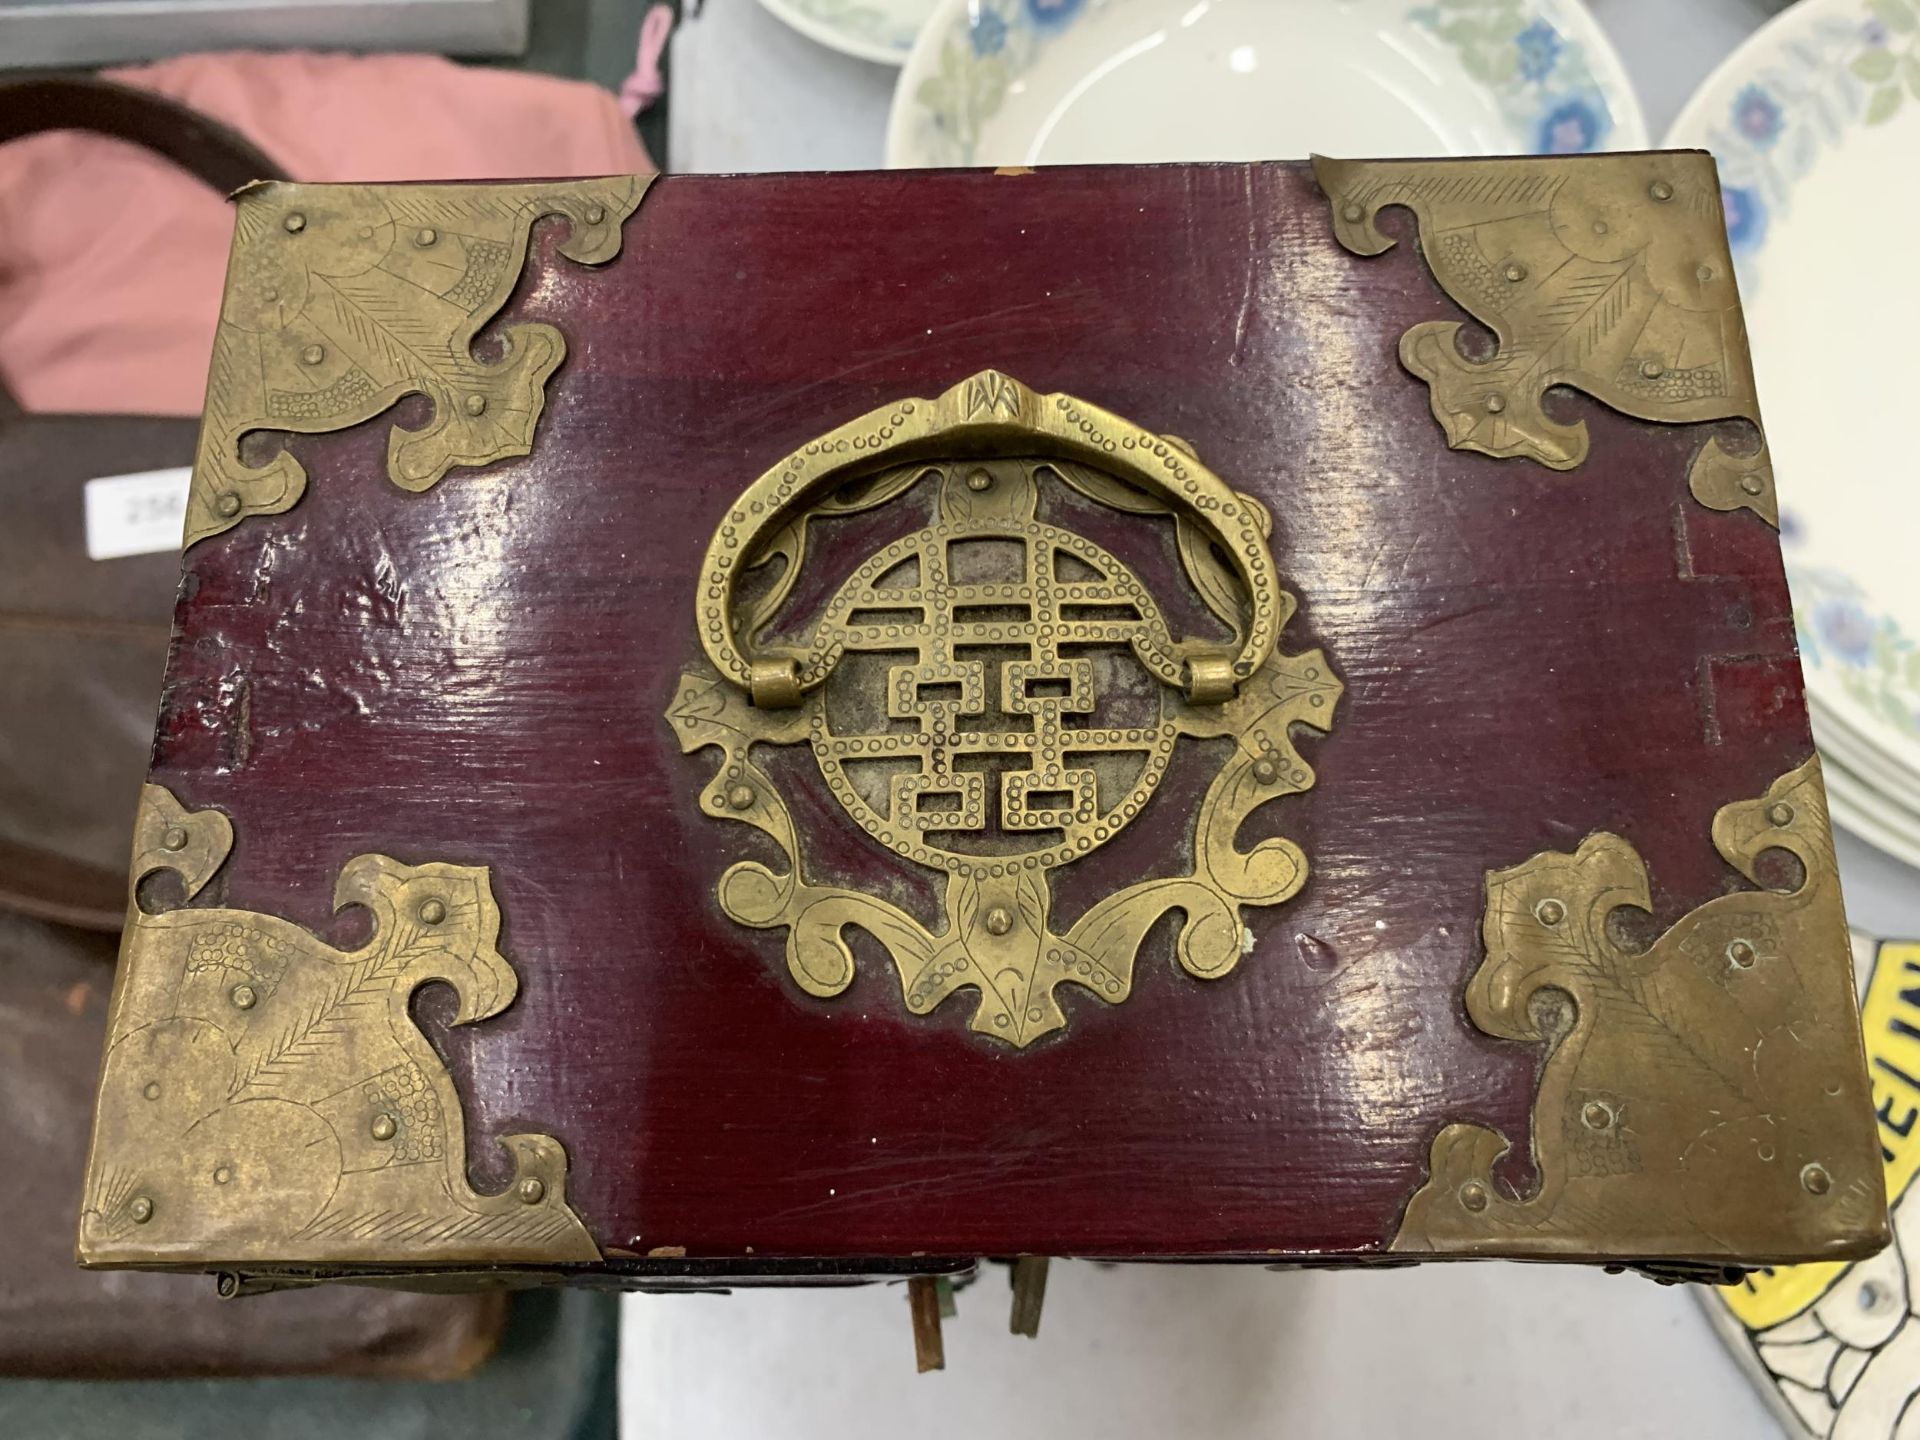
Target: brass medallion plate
(995, 724)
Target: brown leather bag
(82, 647)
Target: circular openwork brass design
(986, 750)
(995, 696)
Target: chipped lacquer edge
(1704, 1102)
(341, 300)
(267, 1100)
(1607, 274)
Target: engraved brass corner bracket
(1607, 274)
(992, 724)
(342, 300)
(267, 1099)
(1705, 1100)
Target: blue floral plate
(1028, 82)
(1815, 122)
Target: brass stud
(425, 237)
(1351, 213)
(222, 1174)
(1265, 771)
(1515, 271)
(270, 295)
(532, 1190)
(1781, 814)
(141, 1209)
(1652, 369)
(476, 404)
(313, 355)
(740, 796)
(1703, 272)
(1751, 483)
(1496, 403)
(295, 223)
(152, 1090)
(366, 232)
(174, 839)
(1473, 1196)
(1814, 1179)
(228, 505)
(1742, 954)
(1550, 912)
(1599, 227)
(999, 921)
(979, 480)
(244, 997)
(595, 214)
(1660, 190)
(433, 911)
(383, 1127)
(1597, 1115)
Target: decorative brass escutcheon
(994, 696)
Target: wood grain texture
(479, 674)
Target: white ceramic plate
(1816, 124)
(879, 30)
(1031, 82)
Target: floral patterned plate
(879, 30)
(1815, 122)
(1027, 82)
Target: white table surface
(1163, 1351)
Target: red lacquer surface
(480, 673)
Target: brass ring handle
(986, 415)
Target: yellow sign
(1891, 1019)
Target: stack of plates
(1815, 122)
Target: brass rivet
(1473, 1196)
(1599, 227)
(270, 296)
(1781, 814)
(313, 354)
(532, 1191)
(1660, 190)
(979, 480)
(295, 223)
(1496, 403)
(1597, 1115)
(1765, 1152)
(222, 1174)
(383, 1127)
(1752, 484)
(740, 796)
(1652, 369)
(228, 504)
(1814, 1179)
(243, 997)
(425, 237)
(432, 912)
(1703, 272)
(152, 1092)
(595, 215)
(366, 232)
(476, 404)
(141, 1209)
(1351, 212)
(1516, 272)
(1550, 912)
(1741, 953)
(174, 839)
(1264, 770)
(999, 922)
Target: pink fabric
(646, 84)
(112, 260)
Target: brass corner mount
(1609, 274)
